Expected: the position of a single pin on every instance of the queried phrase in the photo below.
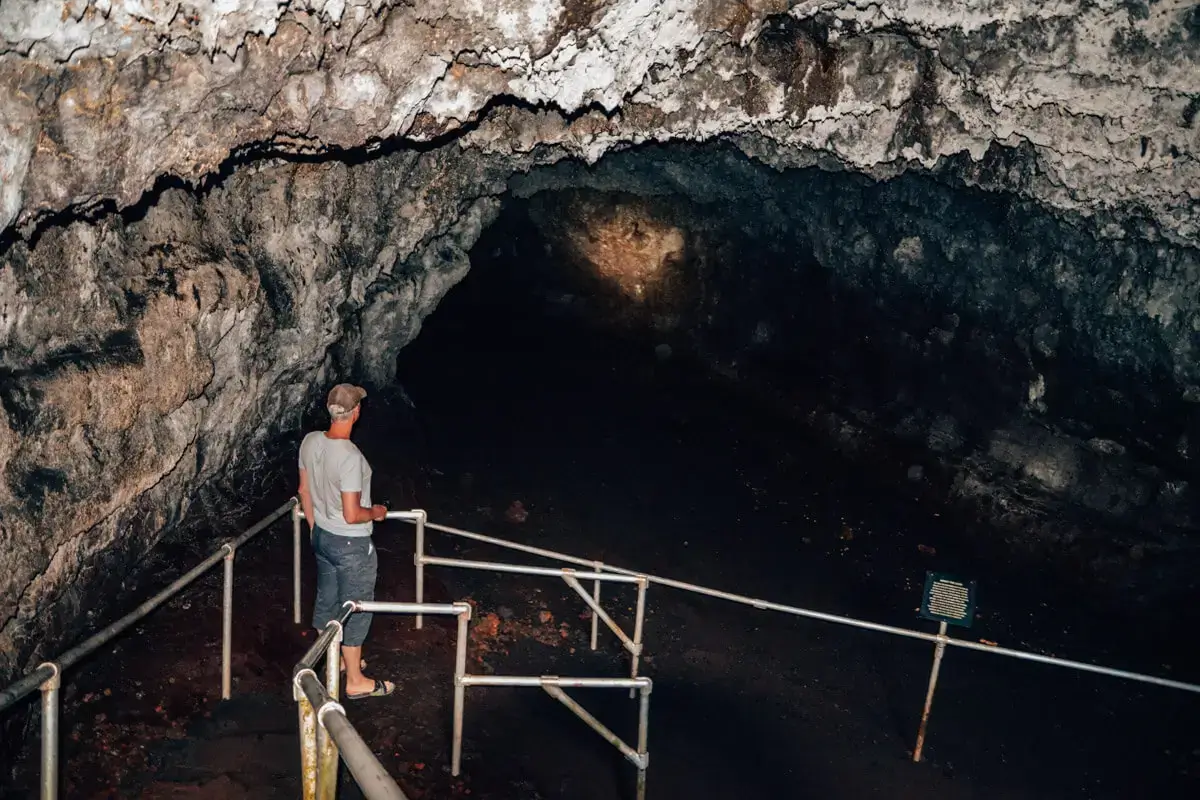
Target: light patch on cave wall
(626, 248)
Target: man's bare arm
(305, 494)
(354, 513)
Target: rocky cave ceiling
(1084, 105)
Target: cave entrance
(555, 381)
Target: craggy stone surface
(151, 336)
(144, 357)
(1084, 105)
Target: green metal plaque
(948, 599)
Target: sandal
(382, 689)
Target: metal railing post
(938, 650)
(643, 741)
(419, 562)
(460, 670)
(596, 596)
(296, 564)
(308, 746)
(638, 622)
(327, 751)
(50, 690)
(227, 627)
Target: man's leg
(325, 607)
(356, 581)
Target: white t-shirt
(335, 466)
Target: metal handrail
(767, 605)
(325, 733)
(940, 639)
(48, 675)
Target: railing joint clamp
(296, 679)
(329, 705)
(55, 679)
(229, 546)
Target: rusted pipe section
(368, 773)
(938, 651)
(308, 746)
(327, 752)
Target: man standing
(335, 493)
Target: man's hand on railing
(378, 513)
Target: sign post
(948, 601)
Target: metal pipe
(368, 773)
(321, 646)
(32, 681)
(596, 609)
(24, 686)
(297, 515)
(460, 671)
(419, 562)
(404, 516)
(381, 607)
(938, 651)
(308, 746)
(50, 692)
(227, 628)
(327, 752)
(524, 548)
(766, 605)
(555, 680)
(643, 741)
(593, 723)
(596, 597)
(638, 625)
(524, 569)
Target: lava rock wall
(146, 354)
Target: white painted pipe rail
(941, 639)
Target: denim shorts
(346, 569)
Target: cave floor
(640, 464)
